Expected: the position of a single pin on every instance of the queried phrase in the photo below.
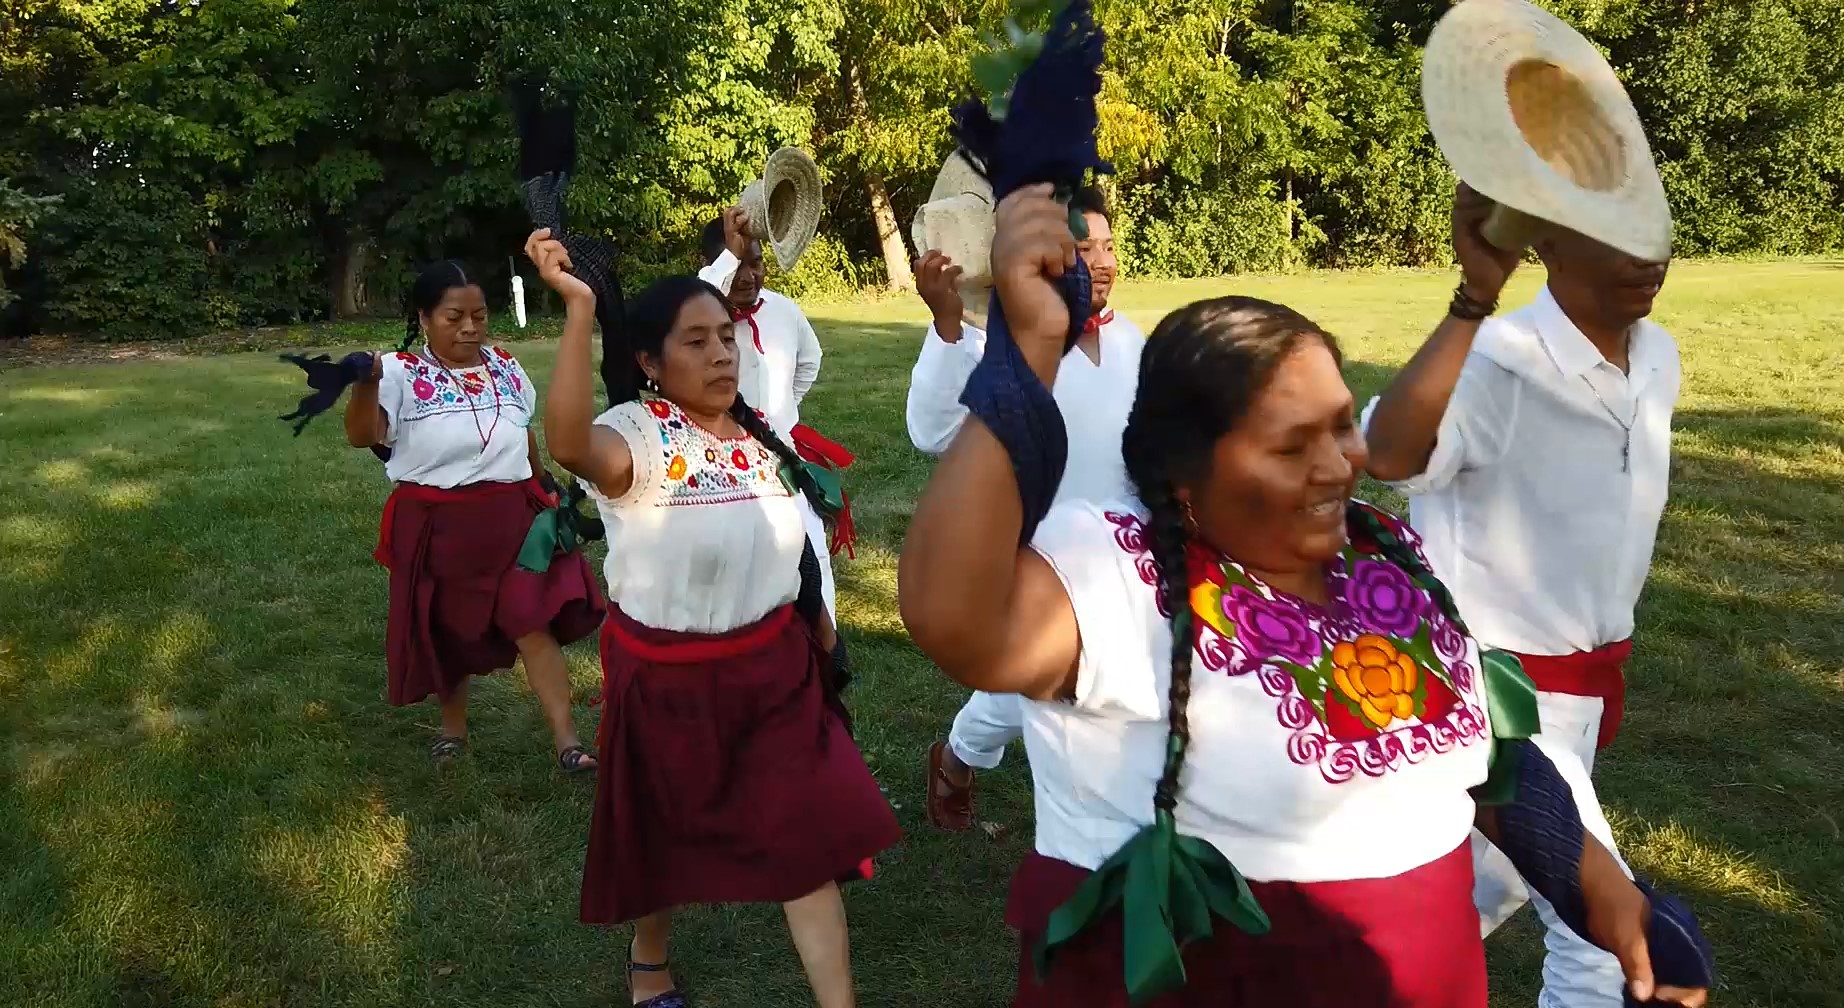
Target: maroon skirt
(459, 600)
(1411, 941)
(726, 775)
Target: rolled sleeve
(721, 271)
(934, 413)
(1472, 431)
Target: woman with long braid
(1258, 716)
(728, 771)
(453, 424)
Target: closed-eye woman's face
(696, 366)
(1274, 499)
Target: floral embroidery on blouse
(1375, 680)
(435, 390)
(702, 468)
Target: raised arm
(992, 614)
(1403, 425)
(366, 424)
(722, 269)
(950, 351)
(594, 453)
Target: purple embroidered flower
(1383, 597)
(1271, 629)
(1449, 642)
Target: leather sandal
(950, 805)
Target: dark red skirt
(459, 600)
(726, 776)
(1406, 942)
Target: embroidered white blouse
(779, 355)
(1321, 750)
(1094, 398)
(1538, 507)
(451, 427)
(707, 538)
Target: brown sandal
(950, 805)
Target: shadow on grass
(209, 802)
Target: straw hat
(1529, 113)
(957, 220)
(784, 204)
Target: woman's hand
(1031, 247)
(1617, 917)
(1484, 267)
(554, 266)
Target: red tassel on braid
(818, 449)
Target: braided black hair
(431, 285)
(642, 328)
(1199, 371)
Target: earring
(1190, 516)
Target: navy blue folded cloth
(1541, 831)
(1047, 135)
(328, 380)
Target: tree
(19, 213)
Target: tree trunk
(889, 236)
(883, 215)
(349, 295)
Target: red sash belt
(817, 448)
(692, 648)
(436, 495)
(1598, 673)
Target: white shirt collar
(1574, 354)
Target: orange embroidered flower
(1380, 678)
(739, 459)
(675, 470)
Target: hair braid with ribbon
(1165, 529)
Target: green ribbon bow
(832, 492)
(556, 530)
(1168, 887)
(1511, 701)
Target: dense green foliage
(240, 162)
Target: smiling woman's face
(696, 366)
(1274, 499)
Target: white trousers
(1576, 974)
(986, 724)
(816, 534)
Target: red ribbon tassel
(1095, 322)
(814, 447)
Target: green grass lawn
(204, 799)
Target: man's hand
(736, 231)
(1484, 267)
(937, 280)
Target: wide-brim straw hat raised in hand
(1529, 113)
(957, 221)
(784, 204)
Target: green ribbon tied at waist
(1511, 703)
(1169, 888)
(557, 530)
(832, 491)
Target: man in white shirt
(778, 351)
(1535, 448)
(1094, 389)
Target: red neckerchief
(1095, 322)
(749, 315)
